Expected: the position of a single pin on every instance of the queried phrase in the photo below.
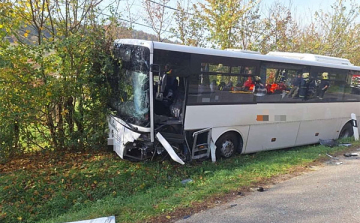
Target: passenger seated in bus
(324, 85)
(247, 84)
(228, 86)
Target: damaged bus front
(131, 125)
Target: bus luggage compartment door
(271, 136)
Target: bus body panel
(271, 136)
(312, 131)
(302, 123)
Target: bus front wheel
(227, 145)
(346, 131)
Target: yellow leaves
(19, 218)
(27, 33)
(168, 217)
(64, 112)
(1, 26)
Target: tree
(281, 31)
(157, 17)
(54, 79)
(221, 18)
(335, 27)
(188, 27)
(250, 29)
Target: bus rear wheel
(227, 145)
(346, 131)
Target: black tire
(227, 145)
(346, 131)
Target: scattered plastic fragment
(350, 154)
(110, 219)
(187, 216)
(345, 144)
(332, 157)
(186, 181)
(260, 189)
(233, 205)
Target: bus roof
(282, 57)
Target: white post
(355, 126)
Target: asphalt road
(330, 193)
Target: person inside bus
(295, 85)
(324, 85)
(167, 91)
(213, 86)
(228, 86)
(168, 83)
(304, 85)
(248, 83)
(260, 89)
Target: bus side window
(352, 86)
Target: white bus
(194, 103)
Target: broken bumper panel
(119, 135)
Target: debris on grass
(110, 219)
(350, 154)
(186, 181)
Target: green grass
(71, 187)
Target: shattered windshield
(130, 84)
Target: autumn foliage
(54, 58)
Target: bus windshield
(130, 84)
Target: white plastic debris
(110, 219)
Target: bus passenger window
(282, 82)
(329, 84)
(221, 89)
(352, 86)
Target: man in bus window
(324, 85)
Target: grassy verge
(70, 187)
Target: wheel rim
(227, 148)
